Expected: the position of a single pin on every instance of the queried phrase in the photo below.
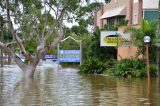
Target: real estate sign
(69, 56)
(111, 38)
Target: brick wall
(133, 13)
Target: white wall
(150, 4)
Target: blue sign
(49, 57)
(69, 55)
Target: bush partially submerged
(96, 66)
(92, 66)
(131, 68)
(125, 68)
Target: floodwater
(55, 86)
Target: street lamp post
(147, 40)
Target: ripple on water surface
(55, 86)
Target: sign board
(49, 57)
(112, 38)
(69, 56)
(112, 41)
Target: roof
(150, 4)
(118, 11)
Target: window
(150, 15)
(110, 23)
(107, 1)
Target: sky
(83, 3)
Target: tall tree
(34, 22)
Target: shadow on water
(65, 87)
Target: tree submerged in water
(37, 30)
(36, 27)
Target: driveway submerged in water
(55, 86)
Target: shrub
(131, 68)
(153, 70)
(92, 66)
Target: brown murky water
(65, 87)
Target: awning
(118, 11)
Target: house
(134, 11)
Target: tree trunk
(28, 69)
(1, 55)
(1, 39)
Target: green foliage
(70, 44)
(153, 70)
(92, 66)
(95, 66)
(78, 30)
(90, 20)
(31, 45)
(102, 53)
(131, 68)
(123, 22)
(84, 10)
(49, 39)
(146, 29)
(86, 41)
(115, 27)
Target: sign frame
(80, 46)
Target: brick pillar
(140, 11)
(95, 21)
(130, 11)
(101, 20)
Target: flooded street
(55, 86)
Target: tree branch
(50, 31)
(51, 8)
(46, 21)
(11, 28)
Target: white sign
(112, 38)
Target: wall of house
(113, 4)
(127, 51)
(98, 21)
(135, 13)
